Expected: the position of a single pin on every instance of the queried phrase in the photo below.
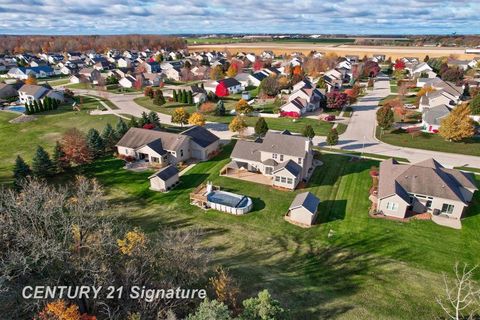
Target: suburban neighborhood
(284, 175)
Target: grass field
(349, 266)
(320, 127)
(220, 40)
(23, 138)
(429, 141)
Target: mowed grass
(348, 266)
(430, 141)
(23, 138)
(321, 128)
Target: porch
(232, 170)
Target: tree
(308, 132)
(238, 124)
(75, 147)
(371, 68)
(95, 143)
(154, 119)
(109, 138)
(385, 117)
(42, 165)
(262, 307)
(211, 310)
(475, 105)
(336, 99)
(321, 83)
(174, 95)
(21, 171)
(220, 109)
(399, 65)
(261, 127)
(31, 79)
(225, 287)
(133, 123)
(257, 64)
(60, 310)
(190, 97)
(332, 137)
(426, 59)
(269, 86)
(453, 74)
(121, 128)
(461, 299)
(36, 106)
(143, 119)
(181, 116)
(232, 70)
(158, 98)
(216, 73)
(242, 107)
(60, 162)
(466, 92)
(457, 125)
(148, 92)
(197, 119)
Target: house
(333, 79)
(423, 70)
(432, 117)
(7, 91)
(92, 75)
(256, 78)
(172, 73)
(199, 72)
(244, 79)
(164, 179)
(127, 82)
(304, 98)
(303, 210)
(152, 67)
(199, 94)
(23, 72)
(284, 160)
(228, 86)
(163, 148)
(124, 63)
(152, 79)
(424, 187)
(30, 92)
(462, 64)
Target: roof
(156, 145)
(201, 136)
(306, 200)
(434, 115)
(230, 82)
(259, 76)
(291, 166)
(165, 173)
(138, 137)
(32, 89)
(427, 177)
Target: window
(447, 208)
(281, 157)
(284, 179)
(268, 170)
(277, 178)
(155, 159)
(392, 206)
(289, 181)
(126, 151)
(274, 156)
(181, 152)
(300, 161)
(428, 204)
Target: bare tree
(462, 295)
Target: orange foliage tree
(60, 310)
(75, 147)
(31, 79)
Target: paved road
(360, 133)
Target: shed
(303, 210)
(164, 179)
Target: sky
(247, 16)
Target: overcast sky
(248, 16)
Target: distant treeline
(38, 44)
(421, 40)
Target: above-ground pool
(229, 202)
(18, 108)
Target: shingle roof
(201, 136)
(434, 115)
(32, 89)
(165, 173)
(230, 82)
(290, 166)
(137, 137)
(306, 200)
(156, 145)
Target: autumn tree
(385, 117)
(232, 70)
(75, 147)
(261, 127)
(269, 86)
(59, 160)
(399, 65)
(457, 125)
(238, 124)
(257, 64)
(31, 79)
(148, 92)
(336, 100)
(180, 116)
(225, 287)
(242, 107)
(197, 119)
(332, 137)
(61, 310)
(216, 73)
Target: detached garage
(203, 144)
(164, 179)
(303, 210)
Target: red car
(328, 118)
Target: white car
(410, 106)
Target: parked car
(410, 106)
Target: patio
(245, 175)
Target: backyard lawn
(349, 266)
(320, 127)
(429, 141)
(23, 138)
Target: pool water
(19, 108)
(227, 199)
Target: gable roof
(32, 90)
(434, 115)
(292, 167)
(201, 136)
(165, 173)
(138, 137)
(229, 82)
(306, 200)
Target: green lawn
(429, 141)
(349, 266)
(23, 138)
(320, 127)
(393, 86)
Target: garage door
(197, 154)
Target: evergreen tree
(41, 105)
(175, 97)
(60, 162)
(42, 165)
(109, 138)
(95, 143)
(143, 120)
(27, 108)
(202, 85)
(184, 96)
(35, 106)
(262, 307)
(220, 110)
(332, 137)
(56, 103)
(308, 132)
(190, 97)
(121, 128)
(153, 119)
(159, 99)
(261, 127)
(31, 107)
(21, 171)
(133, 123)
